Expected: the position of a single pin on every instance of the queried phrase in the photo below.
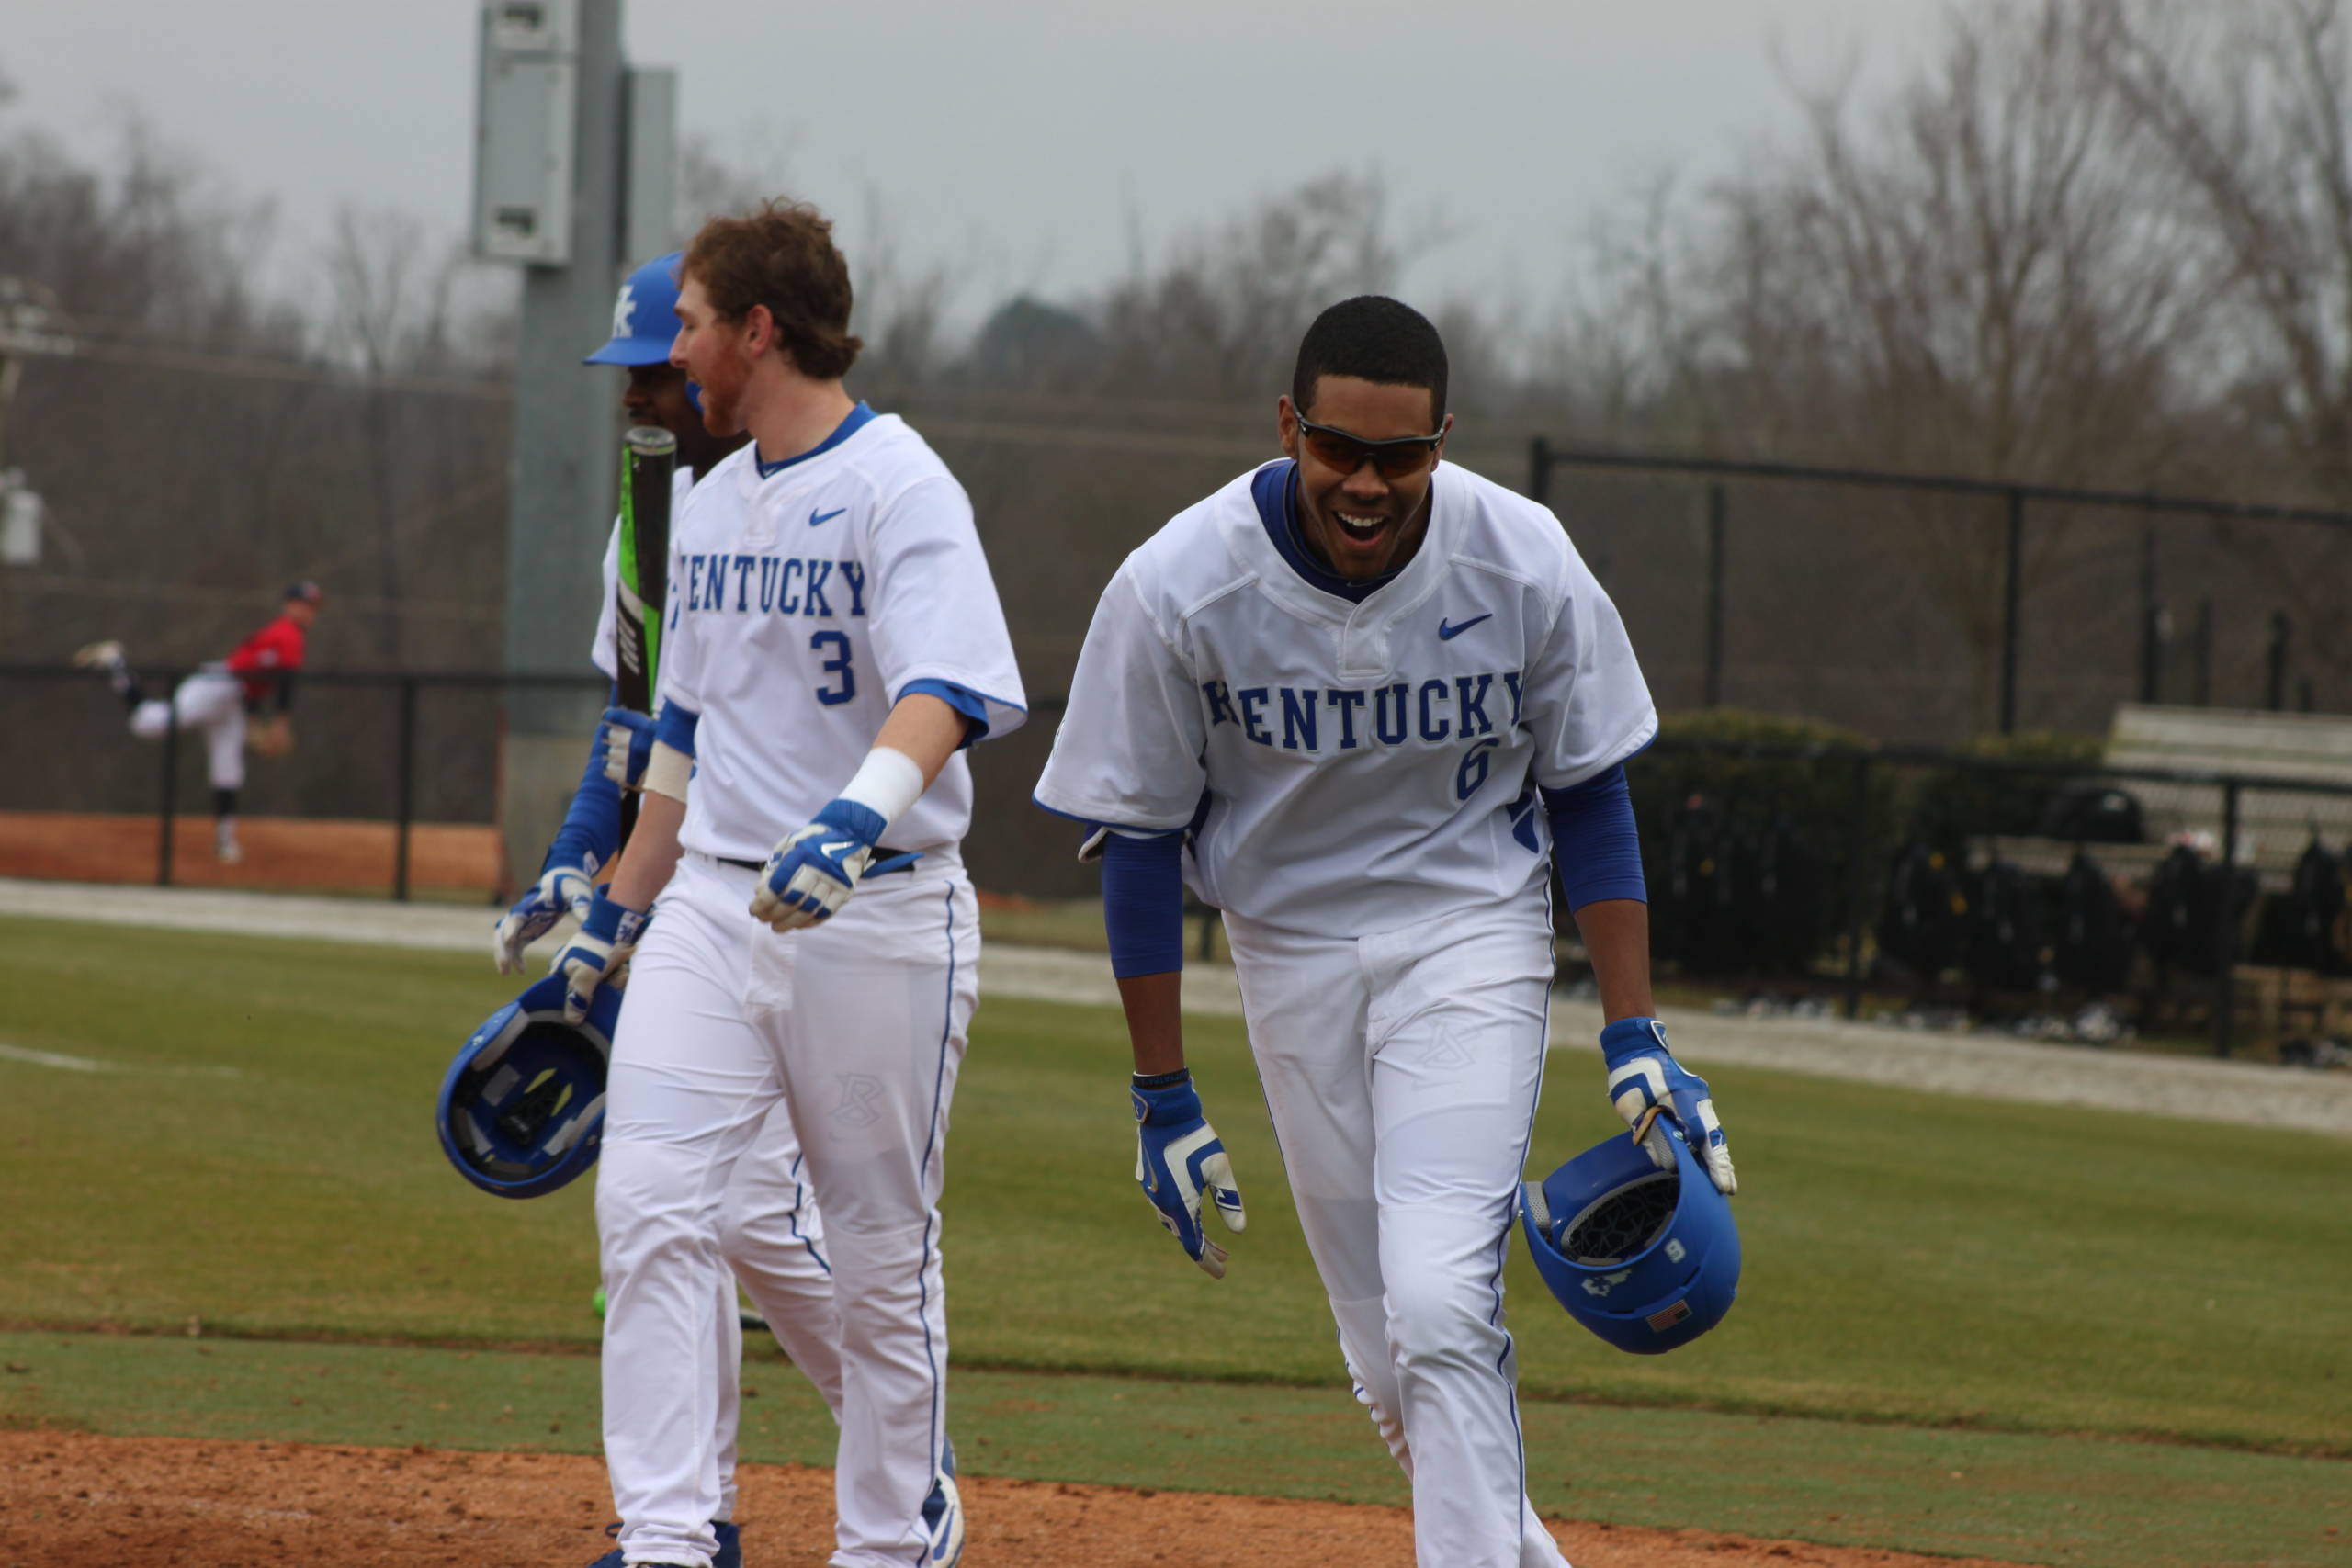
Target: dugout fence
(2067, 901)
(1938, 886)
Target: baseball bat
(649, 457)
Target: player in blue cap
(769, 1229)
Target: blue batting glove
(627, 740)
(597, 951)
(564, 890)
(812, 872)
(1645, 1076)
(1178, 1157)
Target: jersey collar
(856, 420)
(1274, 489)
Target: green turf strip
(2029, 1499)
(263, 1160)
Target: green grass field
(2024, 1296)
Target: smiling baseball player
(771, 1233)
(1349, 697)
(834, 641)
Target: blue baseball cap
(645, 317)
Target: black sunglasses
(1399, 456)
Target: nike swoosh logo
(816, 518)
(1448, 633)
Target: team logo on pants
(859, 1092)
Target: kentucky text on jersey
(775, 585)
(1339, 719)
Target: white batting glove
(566, 890)
(597, 953)
(1645, 1081)
(813, 872)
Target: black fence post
(2012, 611)
(404, 787)
(2225, 925)
(2152, 619)
(1716, 502)
(2203, 685)
(170, 808)
(1858, 840)
(2275, 688)
(1539, 471)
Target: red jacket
(278, 646)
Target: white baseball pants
(766, 1231)
(772, 1235)
(211, 701)
(858, 1026)
(1402, 1071)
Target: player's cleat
(728, 1555)
(106, 655)
(225, 848)
(943, 1517)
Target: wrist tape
(886, 784)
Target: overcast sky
(1023, 141)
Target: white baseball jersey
(802, 605)
(1364, 767)
(681, 483)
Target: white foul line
(51, 1059)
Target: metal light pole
(574, 169)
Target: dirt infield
(180, 1503)
(279, 851)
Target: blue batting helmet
(645, 317)
(1646, 1257)
(522, 1109)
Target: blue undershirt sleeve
(674, 726)
(1143, 903)
(591, 833)
(1594, 845)
(971, 704)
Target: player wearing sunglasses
(1361, 494)
(1360, 700)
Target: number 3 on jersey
(837, 665)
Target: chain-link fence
(391, 784)
(1931, 609)
(392, 787)
(2064, 900)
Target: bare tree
(1222, 310)
(1967, 275)
(712, 181)
(2243, 117)
(389, 289)
(2246, 116)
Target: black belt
(881, 853)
